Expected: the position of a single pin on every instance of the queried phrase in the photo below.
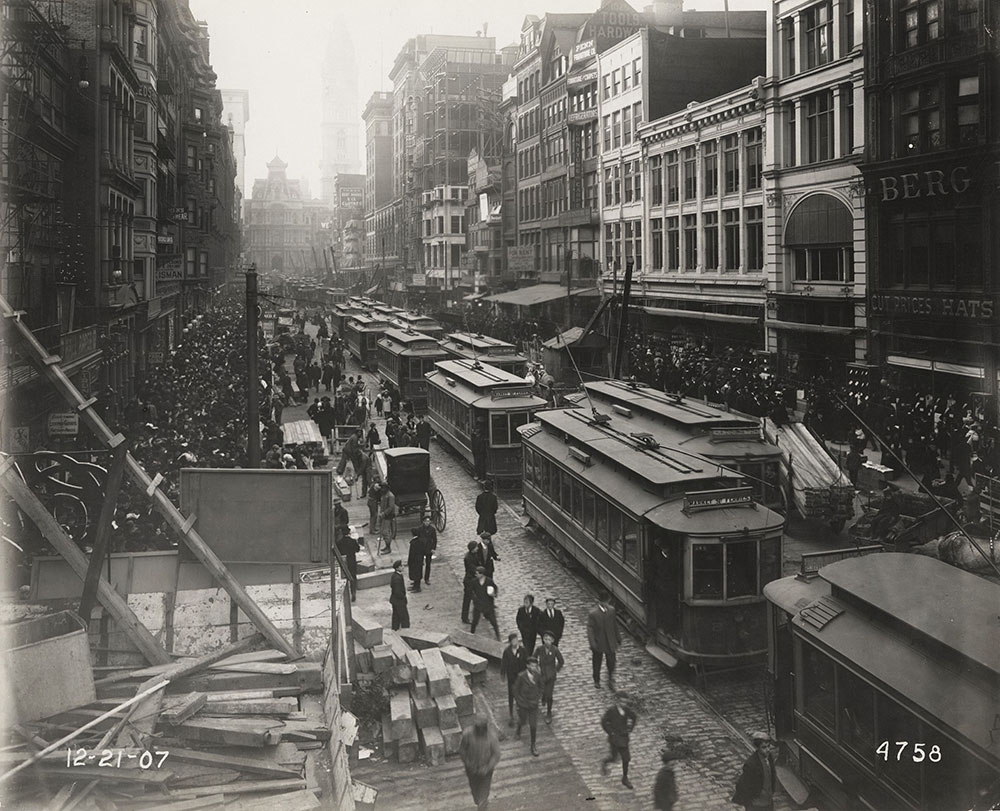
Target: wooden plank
(271, 706)
(447, 710)
(303, 800)
(433, 744)
(60, 771)
(417, 667)
(421, 640)
(273, 668)
(219, 760)
(438, 680)
(460, 689)
(229, 731)
(489, 648)
(179, 708)
(102, 532)
(367, 631)
(115, 604)
(400, 714)
(189, 775)
(308, 677)
(382, 658)
(464, 658)
(425, 712)
(249, 787)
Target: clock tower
(341, 123)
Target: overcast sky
(274, 49)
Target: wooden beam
(102, 534)
(21, 336)
(221, 760)
(115, 604)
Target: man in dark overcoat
(397, 597)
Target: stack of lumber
(820, 489)
(430, 693)
(231, 729)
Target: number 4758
(919, 751)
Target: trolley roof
(964, 612)
(479, 375)
(667, 407)
(368, 322)
(484, 387)
(935, 601)
(616, 441)
(417, 322)
(408, 342)
(481, 344)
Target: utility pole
(253, 380)
(623, 320)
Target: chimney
(667, 14)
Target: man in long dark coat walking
(486, 508)
(415, 560)
(604, 638)
(397, 597)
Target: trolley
(678, 541)
(407, 471)
(363, 333)
(404, 357)
(418, 323)
(885, 671)
(730, 438)
(464, 395)
(470, 346)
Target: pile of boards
(430, 697)
(821, 491)
(225, 732)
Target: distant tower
(341, 128)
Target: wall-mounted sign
(64, 423)
(521, 258)
(584, 77)
(155, 358)
(179, 214)
(972, 309)
(582, 116)
(164, 239)
(584, 50)
(171, 272)
(930, 183)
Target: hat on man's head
(548, 634)
(760, 737)
(480, 570)
(397, 564)
(485, 535)
(532, 660)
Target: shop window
(818, 696)
(821, 264)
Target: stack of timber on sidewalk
(429, 684)
(238, 731)
(821, 491)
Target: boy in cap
(755, 787)
(484, 592)
(618, 722)
(512, 664)
(528, 694)
(550, 662)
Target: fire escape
(29, 180)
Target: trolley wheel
(439, 511)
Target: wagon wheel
(439, 512)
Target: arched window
(819, 238)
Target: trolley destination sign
(713, 499)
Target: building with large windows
(379, 235)
(815, 205)
(931, 173)
(701, 271)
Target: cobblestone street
(572, 747)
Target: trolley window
(818, 700)
(741, 570)
(577, 506)
(499, 430)
(706, 566)
(529, 465)
(857, 714)
(630, 542)
(602, 521)
(565, 491)
(615, 531)
(588, 510)
(724, 571)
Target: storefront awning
(937, 366)
(795, 326)
(700, 316)
(538, 294)
(474, 296)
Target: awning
(538, 294)
(937, 366)
(795, 326)
(473, 296)
(700, 316)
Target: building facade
(347, 221)
(377, 117)
(815, 204)
(285, 229)
(235, 115)
(702, 273)
(931, 170)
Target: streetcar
(404, 357)
(730, 438)
(678, 541)
(464, 395)
(489, 350)
(363, 334)
(342, 313)
(885, 671)
(418, 323)
(334, 296)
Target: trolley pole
(253, 380)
